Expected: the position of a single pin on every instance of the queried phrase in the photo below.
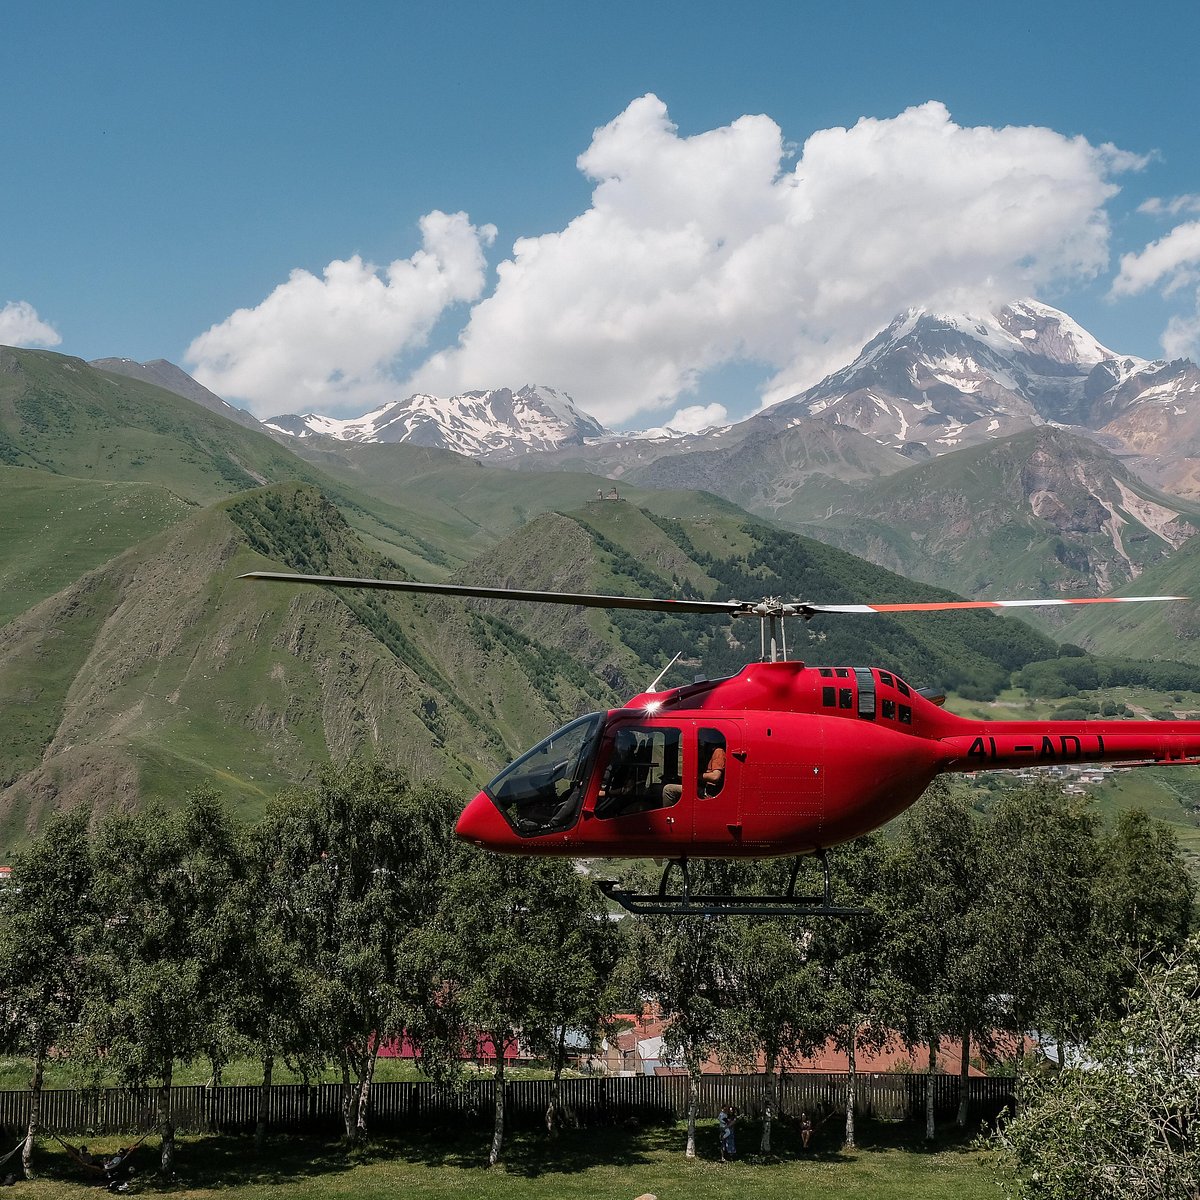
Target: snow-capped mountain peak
(932, 382)
(498, 423)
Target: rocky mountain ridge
(496, 422)
(934, 382)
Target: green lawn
(608, 1164)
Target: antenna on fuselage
(659, 677)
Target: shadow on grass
(206, 1161)
(221, 1161)
(827, 1142)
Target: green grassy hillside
(54, 529)
(60, 415)
(1170, 631)
(465, 508)
(161, 670)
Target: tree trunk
(366, 1078)
(498, 1045)
(930, 1127)
(166, 1128)
(350, 1098)
(851, 1082)
(264, 1104)
(35, 1114)
(764, 1145)
(964, 1071)
(693, 1107)
(553, 1112)
(210, 1089)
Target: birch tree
(684, 966)
(167, 963)
(520, 947)
(48, 926)
(356, 864)
(1043, 859)
(941, 978)
(777, 995)
(852, 962)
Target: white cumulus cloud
(20, 325)
(1156, 206)
(694, 418)
(328, 343)
(697, 417)
(705, 250)
(1171, 260)
(1181, 339)
(1172, 263)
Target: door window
(643, 771)
(710, 745)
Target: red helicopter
(781, 759)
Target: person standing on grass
(725, 1122)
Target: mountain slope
(737, 557)
(464, 509)
(55, 529)
(1168, 631)
(58, 414)
(164, 374)
(161, 670)
(64, 418)
(1040, 514)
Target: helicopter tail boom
(1014, 744)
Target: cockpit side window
(542, 792)
(643, 772)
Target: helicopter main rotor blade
(943, 605)
(583, 599)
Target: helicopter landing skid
(689, 904)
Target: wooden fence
(593, 1100)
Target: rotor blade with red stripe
(944, 605)
(734, 608)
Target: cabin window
(843, 672)
(829, 696)
(710, 754)
(542, 792)
(888, 709)
(845, 698)
(902, 687)
(644, 771)
(885, 677)
(826, 672)
(905, 715)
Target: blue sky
(167, 167)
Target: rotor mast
(772, 628)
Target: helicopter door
(640, 770)
(717, 754)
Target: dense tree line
(349, 916)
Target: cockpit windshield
(542, 792)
